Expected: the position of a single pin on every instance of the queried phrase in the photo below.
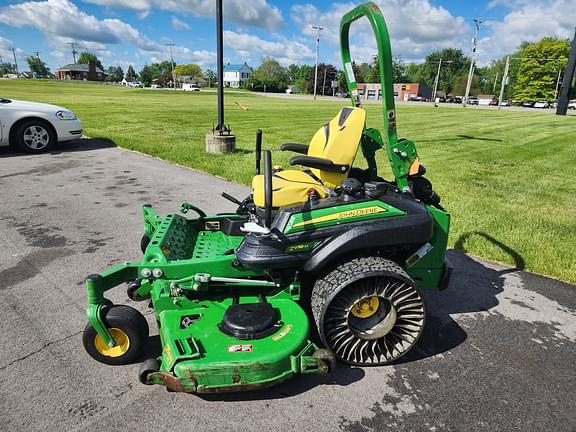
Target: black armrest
(298, 148)
(318, 163)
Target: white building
(235, 75)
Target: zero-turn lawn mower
(332, 246)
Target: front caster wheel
(144, 242)
(129, 329)
(146, 368)
(368, 311)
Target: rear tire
(368, 311)
(35, 136)
(128, 327)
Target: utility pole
(37, 63)
(15, 62)
(172, 63)
(495, 80)
(324, 81)
(504, 81)
(557, 85)
(437, 79)
(1, 66)
(318, 30)
(477, 22)
(74, 52)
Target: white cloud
(61, 21)
(178, 24)
(285, 51)
(256, 13)
(527, 20)
(416, 27)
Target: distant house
(85, 72)
(236, 75)
(192, 80)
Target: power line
(318, 30)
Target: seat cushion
(290, 188)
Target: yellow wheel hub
(121, 347)
(366, 307)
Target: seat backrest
(338, 141)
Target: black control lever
(230, 198)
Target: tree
(192, 70)
(86, 57)
(37, 66)
(270, 74)
(399, 74)
(7, 68)
(131, 74)
(539, 68)
(115, 74)
(454, 63)
(413, 73)
(210, 75)
(159, 73)
(330, 72)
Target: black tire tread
(344, 272)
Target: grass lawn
(507, 178)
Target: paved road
(414, 103)
(498, 353)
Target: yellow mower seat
(337, 142)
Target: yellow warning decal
(343, 215)
(283, 333)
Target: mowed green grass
(507, 178)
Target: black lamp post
(220, 140)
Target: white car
(541, 104)
(36, 127)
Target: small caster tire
(144, 242)
(129, 329)
(146, 368)
(131, 291)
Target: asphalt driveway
(498, 353)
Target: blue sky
(136, 32)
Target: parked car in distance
(493, 102)
(505, 103)
(155, 86)
(473, 100)
(136, 84)
(528, 104)
(454, 99)
(541, 104)
(572, 104)
(190, 87)
(36, 127)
